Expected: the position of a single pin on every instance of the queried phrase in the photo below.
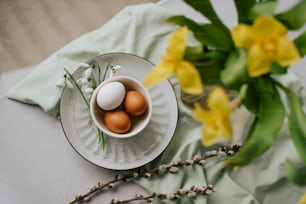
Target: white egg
(111, 95)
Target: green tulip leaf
(243, 8)
(198, 54)
(266, 126)
(205, 7)
(235, 72)
(207, 34)
(295, 17)
(210, 73)
(294, 174)
(297, 122)
(300, 43)
(275, 68)
(262, 8)
(249, 99)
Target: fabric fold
(139, 30)
(142, 30)
(255, 183)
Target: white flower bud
(191, 194)
(89, 90)
(195, 157)
(69, 84)
(61, 82)
(174, 163)
(149, 200)
(230, 152)
(173, 169)
(82, 81)
(147, 175)
(208, 192)
(182, 191)
(221, 154)
(211, 153)
(202, 162)
(115, 200)
(117, 67)
(138, 195)
(135, 174)
(79, 81)
(88, 72)
(190, 161)
(161, 168)
(119, 176)
(84, 65)
(114, 70)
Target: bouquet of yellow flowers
(247, 59)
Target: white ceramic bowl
(138, 122)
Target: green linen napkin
(140, 30)
(261, 182)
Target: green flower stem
(95, 64)
(78, 87)
(101, 139)
(100, 133)
(99, 75)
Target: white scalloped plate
(121, 154)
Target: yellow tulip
(303, 199)
(173, 63)
(267, 43)
(216, 121)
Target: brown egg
(135, 103)
(117, 121)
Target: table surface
(38, 165)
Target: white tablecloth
(38, 165)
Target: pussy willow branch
(192, 192)
(173, 167)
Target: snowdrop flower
(88, 72)
(114, 70)
(84, 65)
(61, 82)
(69, 84)
(88, 90)
(82, 81)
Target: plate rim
(123, 168)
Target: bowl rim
(129, 133)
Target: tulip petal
(209, 136)
(287, 52)
(242, 36)
(219, 101)
(176, 47)
(159, 73)
(225, 127)
(201, 114)
(189, 78)
(303, 199)
(216, 125)
(258, 61)
(267, 27)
